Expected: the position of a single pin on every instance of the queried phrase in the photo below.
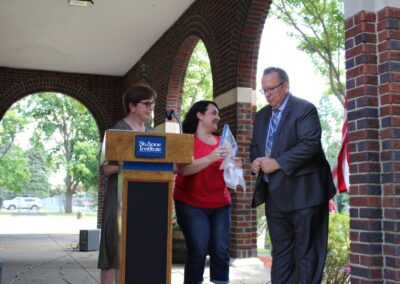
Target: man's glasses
(270, 90)
(148, 103)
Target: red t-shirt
(207, 188)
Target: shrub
(337, 263)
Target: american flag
(341, 171)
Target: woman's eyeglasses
(148, 103)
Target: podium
(145, 190)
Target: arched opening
(190, 78)
(51, 142)
(198, 83)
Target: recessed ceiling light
(81, 3)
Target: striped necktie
(273, 124)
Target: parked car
(23, 202)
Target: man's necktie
(273, 124)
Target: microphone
(171, 113)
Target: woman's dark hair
(138, 93)
(191, 120)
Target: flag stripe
(341, 171)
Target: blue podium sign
(149, 146)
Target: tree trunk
(68, 194)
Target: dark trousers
(206, 231)
(299, 243)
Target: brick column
(363, 129)
(388, 30)
(237, 109)
(373, 94)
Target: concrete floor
(29, 256)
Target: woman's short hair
(191, 120)
(137, 93)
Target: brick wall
(373, 94)
(100, 94)
(388, 29)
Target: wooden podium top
(121, 145)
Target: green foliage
(84, 164)
(331, 122)
(342, 201)
(198, 80)
(336, 267)
(14, 172)
(71, 130)
(318, 25)
(11, 124)
(39, 168)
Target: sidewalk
(53, 258)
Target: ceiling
(106, 38)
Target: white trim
(352, 7)
(237, 95)
(168, 127)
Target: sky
(279, 50)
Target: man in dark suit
(294, 180)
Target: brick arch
(195, 29)
(177, 74)
(33, 86)
(249, 42)
(142, 74)
(101, 95)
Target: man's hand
(269, 165)
(256, 165)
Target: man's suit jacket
(305, 178)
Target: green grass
(263, 251)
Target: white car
(32, 203)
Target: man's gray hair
(283, 77)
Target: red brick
(360, 28)
(364, 16)
(361, 48)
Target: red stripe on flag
(341, 171)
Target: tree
(39, 168)
(198, 79)
(319, 28)
(14, 172)
(331, 122)
(12, 123)
(73, 132)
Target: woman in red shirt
(202, 201)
